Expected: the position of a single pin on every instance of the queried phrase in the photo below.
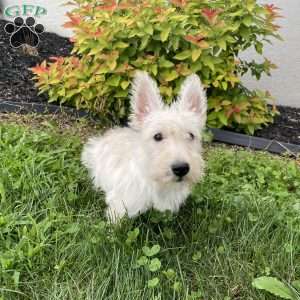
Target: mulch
(16, 82)
(286, 126)
(15, 77)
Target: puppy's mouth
(179, 179)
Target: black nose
(180, 169)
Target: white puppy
(154, 162)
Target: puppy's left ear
(192, 97)
(145, 97)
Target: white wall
(284, 84)
(55, 17)
(285, 81)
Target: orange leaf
(194, 38)
(273, 11)
(158, 10)
(68, 25)
(75, 20)
(98, 33)
(75, 61)
(271, 7)
(197, 40)
(126, 6)
(180, 3)
(210, 14)
(108, 5)
(229, 113)
(39, 69)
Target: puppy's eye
(158, 137)
(192, 136)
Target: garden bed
(15, 78)
(18, 93)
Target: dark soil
(286, 126)
(15, 78)
(16, 82)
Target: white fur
(132, 168)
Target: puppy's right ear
(145, 97)
(192, 97)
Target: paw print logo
(24, 33)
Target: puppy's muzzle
(180, 169)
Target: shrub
(170, 40)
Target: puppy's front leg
(116, 209)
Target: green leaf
(132, 236)
(197, 256)
(152, 283)
(166, 91)
(144, 42)
(112, 64)
(151, 251)
(248, 21)
(121, 94)
(177, 286)
(183, 55)
(259, 47)
(148, 29)
(142, 261)
(237, 118)
(273, 286)
(175, 43)
(114, 80)
(250, 4)
(170, 273)
(209, 61)
(154, 265)
(124, 84)
(222, 44)
(250, 128)
(164, 63)
(222, 117)
(296, 285)
(170, 75)
(121, 45)
(165, 34)
(224, 85)
(196, 53)
(226, 102)
(154, 69)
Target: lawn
(240, 223)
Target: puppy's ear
(145, 97)
(192, 97)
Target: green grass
(240, 223)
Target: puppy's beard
(193, 178)
(163, 178)
(167, 177)
(170, 179)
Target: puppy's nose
(180, 169)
